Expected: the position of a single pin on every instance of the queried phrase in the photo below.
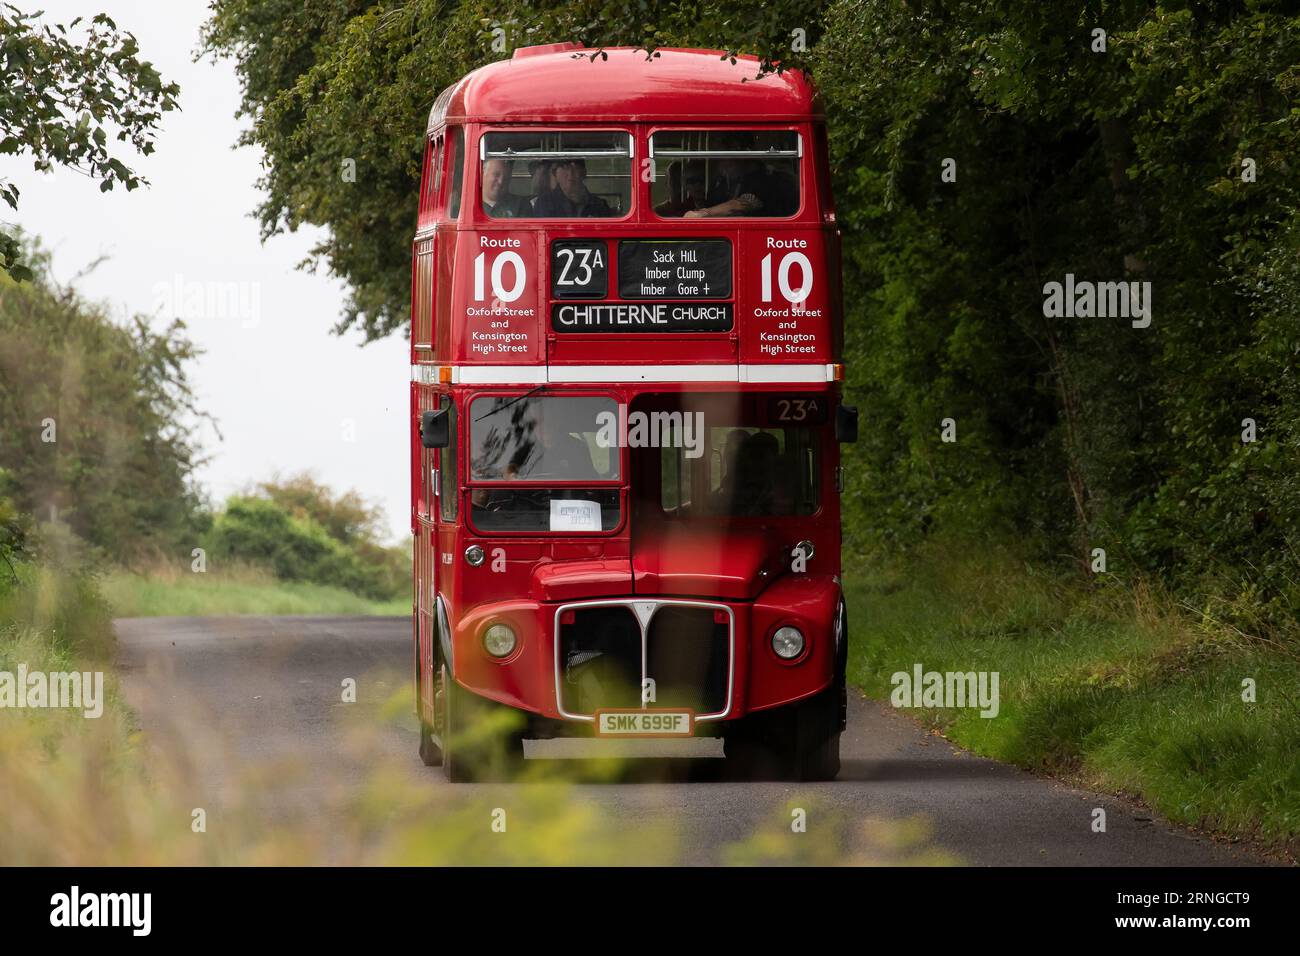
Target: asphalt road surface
(253, 706)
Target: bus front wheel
(481, 740)
(797, 742)
(430, 738)
(800, 741)
(431, 723)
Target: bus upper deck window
(708, 173)
(556, 175)
(457, 172)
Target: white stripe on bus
(541, 374)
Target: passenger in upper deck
(685, 191)
(542, 173)
(747, 187)
(498, 201)
(571, 198)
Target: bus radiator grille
(601, 656)
(686, 656)
(605, 657)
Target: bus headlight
(787, 643)
(499, 640)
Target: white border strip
(787, 373)
(542, 374)
(642, 373)
(498, 374)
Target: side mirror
(846, 423)
(434, 432)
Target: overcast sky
(288, 395)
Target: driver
(723, 497)
(756, 484)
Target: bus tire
(430, 746)
(815, 748)
(798, 742)
(822, 718)
(430, 738)
(483, 740)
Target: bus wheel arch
(433, 723)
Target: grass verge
(165, 592)
(1111, 687)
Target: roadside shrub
(301, 531)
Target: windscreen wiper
(513, 401)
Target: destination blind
(641, 317)
(674, 269)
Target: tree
(61, 100)
(96, 421)
(1144, 162)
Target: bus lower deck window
(745, 471)
(762, 471)
(538, 437)
(540, 440)
(565, 510)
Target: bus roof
(561, 83)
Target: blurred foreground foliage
(99, 792)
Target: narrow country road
(256, 706)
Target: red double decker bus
(625, 404)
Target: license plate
(645, 723)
